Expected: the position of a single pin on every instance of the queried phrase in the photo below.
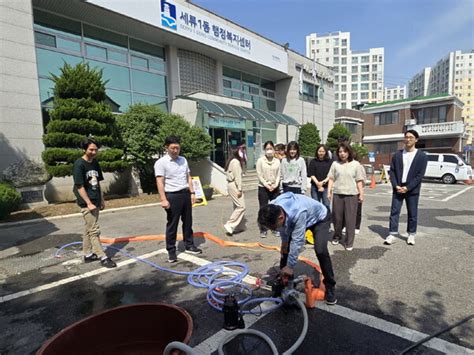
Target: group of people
(283, 206)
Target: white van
(447, 167)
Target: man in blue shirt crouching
(291, 215)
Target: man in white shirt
(406, 172)
(175, 186)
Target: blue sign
(372, 157)
(224, 122)
(168, 15)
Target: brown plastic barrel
(143, 329)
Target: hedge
(64, 155)
(67, 109)
(10, 200)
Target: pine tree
(337, 132)
(80, 111)
(308, 139)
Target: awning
(244, 112)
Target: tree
(308, 139)
(334, 134)
(80, 111)
(144, 129)
(360, 151)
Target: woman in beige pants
(234, 188)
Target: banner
(197, 187)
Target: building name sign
(226, 123)
(183, 20)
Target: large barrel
(143, 329)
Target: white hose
(232, 335)
(180, 346)
(299, 341)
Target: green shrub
(72, 140)
(84, 127)
(334, 134)
(9, 200)
(308, 139)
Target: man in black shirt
(87, 176)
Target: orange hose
(208, 236)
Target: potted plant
(208, 190)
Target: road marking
(456, 194)
(210, 344)
(85, 275)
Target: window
(354, 68)
(344, 61)
(327, 50)
(344, 42)
(343, 87)
(385, 148)
(344, 70)
(432, 157)
(45, 39)
(343, 96)
(364, 95)
(364, 69)
(336, 41)
(374, 58)
(355, 60)
(374, 86)
(374, 76)
(336, 51)
(380, 59)
(354, 78)
(364, 86)
(310, 92)
(450, 159)
(364, 59)
(344, 51)
(343, 79)
(354, 96)
(386, 118)
(436, 114)
(364, 77)
(374, 67)
(354, 87)
(336, 60)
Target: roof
(240, 112)
(418, 98)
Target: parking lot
(389, 296)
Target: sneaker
(277, 234)
(349, 248)
(263, 234)
(228, 230)
(411, 239)
(335, 242)
(390, 239)
(193, 250)
(108, 263)
(330, 296)
(357, 231)
(172, 257)
(344, 230)
(91, 258)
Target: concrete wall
(21, 126)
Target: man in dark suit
(406, 171)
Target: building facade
(437, 119)
(156, 52)
(395, 93)
(353, 120)
(359, 75)
(453, 75)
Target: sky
(415, 33)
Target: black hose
(418, 343)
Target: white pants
(237, 215)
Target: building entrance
(224, 140)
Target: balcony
(446, 129)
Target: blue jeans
(321, 196)
(412, 209)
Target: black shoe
(330, 296)
(193, 250)
(172, 258)
(89, 259)
(108, 263)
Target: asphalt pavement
(388, 296)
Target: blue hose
(216, 277)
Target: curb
(36, 220)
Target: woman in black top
(318, 173)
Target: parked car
(447, 167)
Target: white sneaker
(411, 239)
(344, 230)
(357, 231)
(334, 242)
(263, 235)
(349, 248)
(228, 230)
(276, 234)
(390, 239)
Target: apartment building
(453, 75)
(395, 93)
(359, 75)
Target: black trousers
(321, 237)
(295, 190)
(180, 207)
(265, 196)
